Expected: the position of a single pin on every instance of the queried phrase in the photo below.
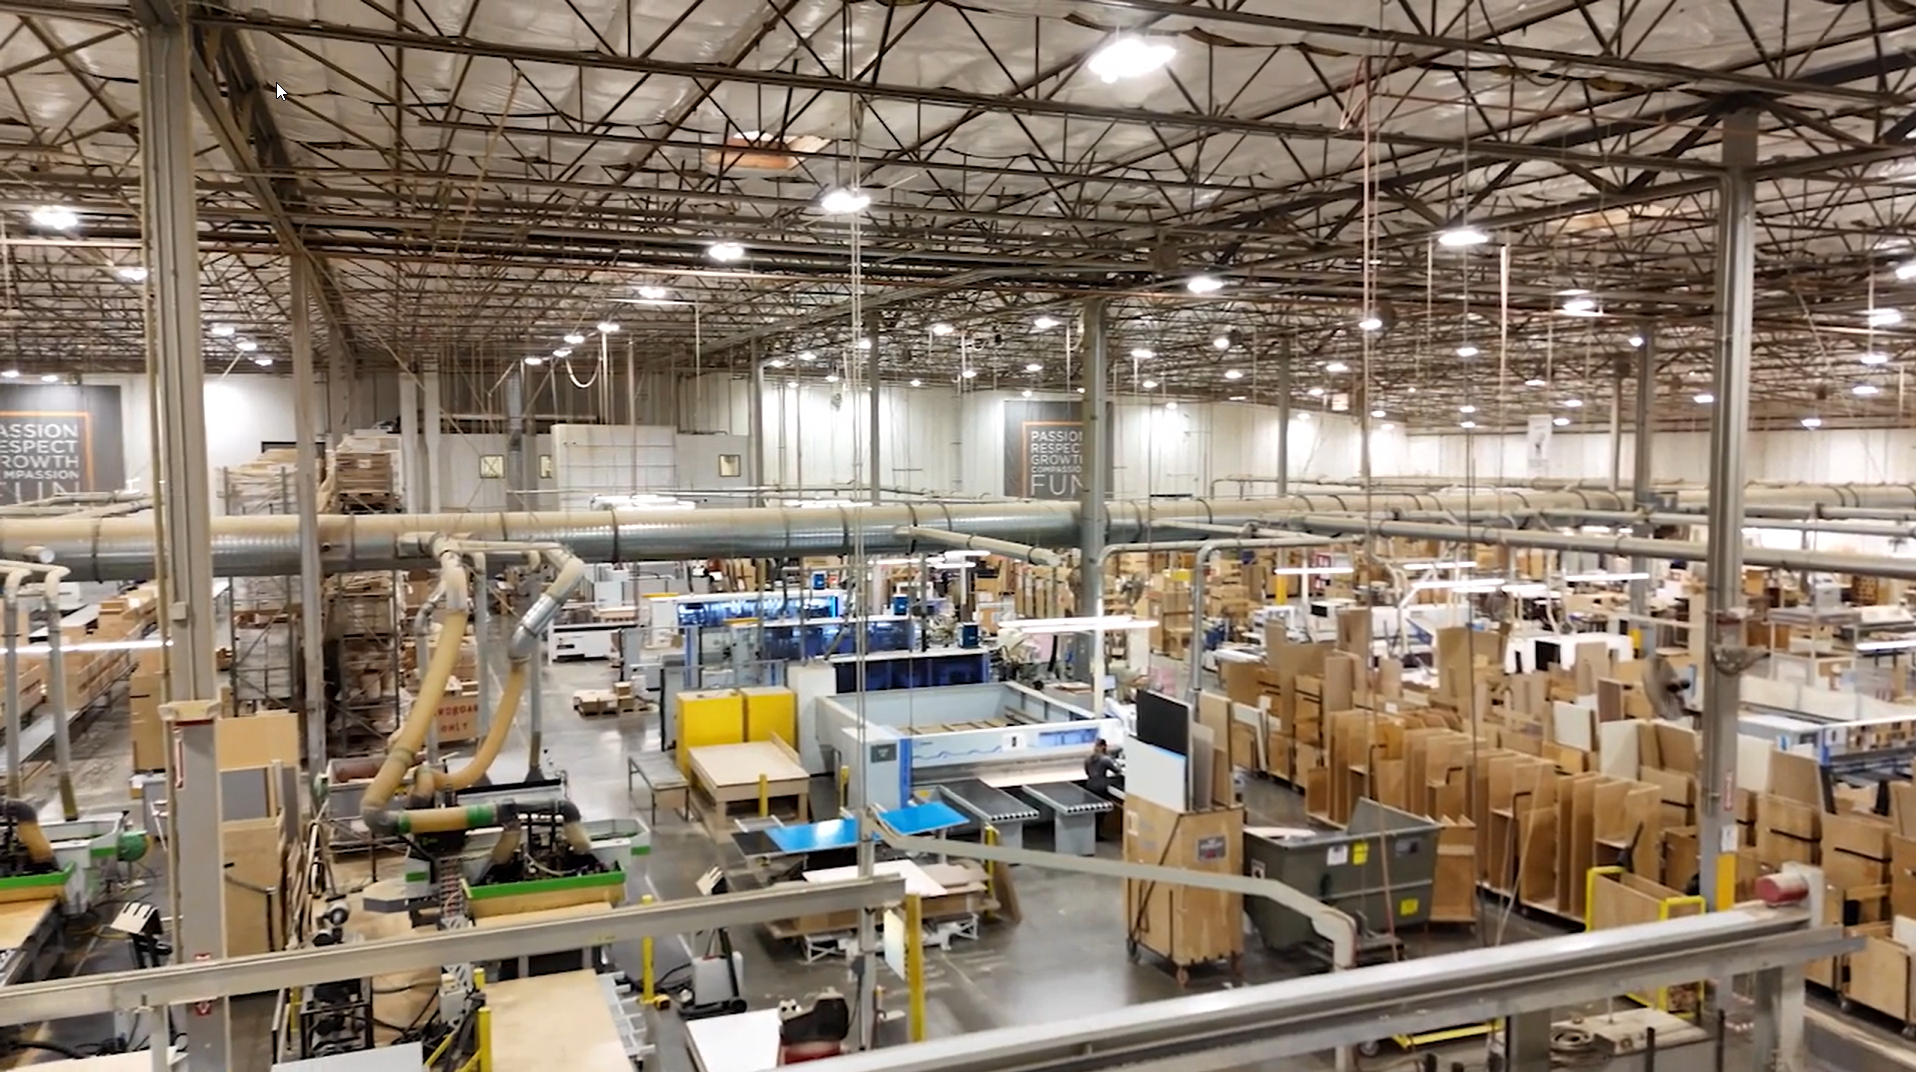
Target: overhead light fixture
(1233, 398)
(942, 328)
(1873, 357)
(651, 292)
(1536, 381)
(1572, 292)
(1377, 413)
(1301, 416)
(1080, 390)
(1222, 342)
(10, 374)
(50, 377)
(263, 362)
(1170, 405)
(1129, 57)
(1142, 354)
(1385, 427)
(844, 202)
(535, 361)
(574, 338)
(1705, 398)
(1315, 392)
(1204, 284)
(1026, 392)
(725, 252)
(606, 327)
(1636, 342)
(246, 346)
(222, 331)
(1336, 368)
(777, 362)
(1812, 422)
(831, 377)
(562, 352)
(969, 374)
(1045, 323)
(917, 383)
(1560, 421)
(1467, 350)
(132, 273)
(1371, 323)
(1034, 367)
(1884, 317)
(1467, 424)
(807, 356)
(1866, 389)
(1580, 307)
(865, 343)
(1572, 403)
(1149, 385)
(1466, 408)
(1462, 237)
(1233, 374)
(55, 218)
(1906, 271)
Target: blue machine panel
(918, 670)
(767, 605)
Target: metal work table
(662, 778)
(991, 807)
(1074, 815)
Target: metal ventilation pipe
(121, 548)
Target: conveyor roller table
(991, 807)
(1074, 815)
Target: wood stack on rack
(363, 638)
(363, 477)
(262, 670)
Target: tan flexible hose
(425, 707)
(495, 742)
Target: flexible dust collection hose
(57, 694)
(26, 827)
(384, 821)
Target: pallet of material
(591, 703)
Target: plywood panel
(554, 1022)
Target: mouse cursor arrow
(279, 92)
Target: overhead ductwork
(121, 548)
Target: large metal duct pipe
(1774, 558)
(268, 545)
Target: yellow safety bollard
(646, 982)
(844, 786)
(764, 796)
(485, 1040)
(915, 964)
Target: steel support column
(1283, 419)
(1616, 426)
(873, 323)
(1642, 484)
(1095, 476)
(174, 362)
(409, 443)
(306, 493)
(757, 408)
(516, 434)
(431, 465)
(1729, 432)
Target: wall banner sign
(1044, 450)
(59, 438)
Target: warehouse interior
(936, 536)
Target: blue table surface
(843, 833)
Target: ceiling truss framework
(472, 180)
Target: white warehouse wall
(1860, 456)
(943, 439)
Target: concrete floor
(1066, 958)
